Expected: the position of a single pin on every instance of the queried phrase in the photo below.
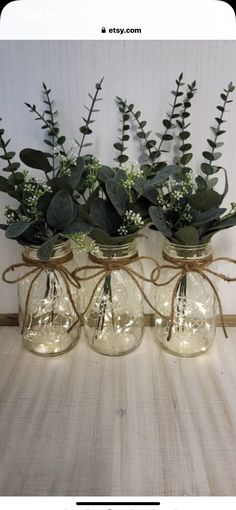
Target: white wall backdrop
(144, 72)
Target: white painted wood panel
(142, 71)
(146, 424)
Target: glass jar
(194, 305)
(114, 322)
(49, 313)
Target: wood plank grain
(145, 424)
(11, 319)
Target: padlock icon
(103, 30)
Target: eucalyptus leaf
(79, 225)
(118, 146)
(184, 135)
(199, 218)
(101, 237)
(164, 174)
(185, 147)
(187, 235)
(76, 173)
(105, 172)
(158, 218)
(224, 223)
(208, 155)
(117, 195)
(205, 200)
(35, 159)
(11, 168)
(16, 178)
(122, 158)
(46, 249)
(104, 215)
(217, 155)
(4, 184)
(209, 169)
(184, 160)
(201, 183)
(60, 183)
(151, 195)
(8, 155)
(15, 230)
(212, 183)
(61, 210)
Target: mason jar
(191, 299)
(49, 312)
(114, 322)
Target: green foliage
(102, 237)
(118, 201)
(104, 215)
(76, 173)
(152, 149)
(78, 226)
(47, 209)
(164, 174)
(205, 200)
(225, 222)
(104, 173)
(15, 230)
(36, 159)
(158, 218)
(124, 132)
(184, 135)
(61, 211)
(201, 183)
(212, 155)
(53, 138)
(7, 155)
(187, 235)
(117, 195)
(181, 209)
(85, 129)
(199, 218)
(45, 251)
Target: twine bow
(199, 266)
(38, 267)
(105, 267)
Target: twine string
(200, 266)
(38, 267)
(104, 267)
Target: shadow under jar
(195, 304)
(49, 313)
(114, 322)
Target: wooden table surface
(145, 424)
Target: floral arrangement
(114, 207)
(79, 196)
(185, 207)
(96, 205)
(49, 209)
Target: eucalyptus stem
(119, 146)
(211, 156)
(184, 134)
(145, 135)
(6, 154)
(219, 122)
(122, 136)
(85, 130)
(46, 92)
(33, 109)
(168, 126)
